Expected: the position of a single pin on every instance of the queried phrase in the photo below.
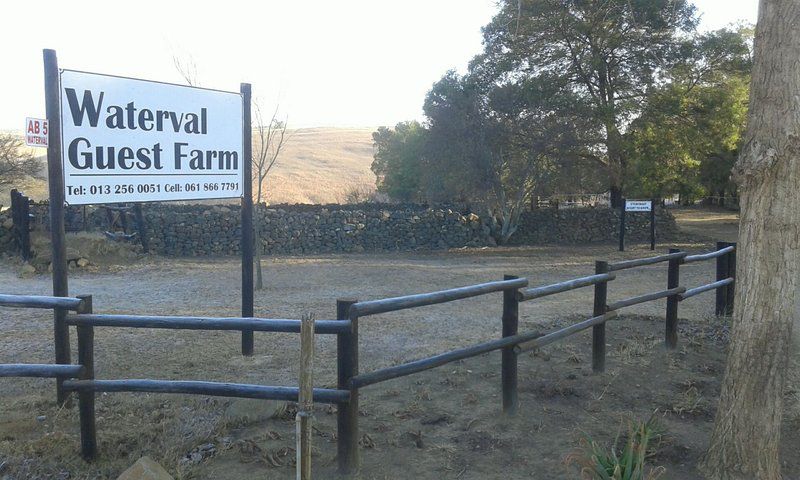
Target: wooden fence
(80, 377)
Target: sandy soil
(444, 423)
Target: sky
(343, 63)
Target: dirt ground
(713, 223)
(443, 423)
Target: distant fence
(80, 377)
(571, 200)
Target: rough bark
(616, 161)
(746, 437)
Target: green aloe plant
(599, 463)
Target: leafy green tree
(686, 139)
(605, 54)
(398, 158)
(496, 145)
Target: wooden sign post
(58, 242)
(180, 143)
(247, 219)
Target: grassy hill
(317, 165)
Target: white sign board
(35, 132)
(128, 140)
(638, 205)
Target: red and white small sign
(35, 132)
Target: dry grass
(319, 165)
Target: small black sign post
(652, 224)
(637, 206)
(622, 210)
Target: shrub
(599, 463)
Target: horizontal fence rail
(646, 298)
(39, 370)
(205, 323)
(372, 307)
(543, 291)
(640, 262)
(704, 288)
(564, 332)
(39, 301)
(708, 256)
(438, 360)
(218, 389)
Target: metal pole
(622, 226)
(347, 368)
(673, 280)
(599, 331)
(653, 224)
(55, 175)
(509, 356)
(247, 219)
(722, 274)
(86, 397)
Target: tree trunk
(616, 163)
(746, 437)
(257, 224)
(258, 245)
(616, 196)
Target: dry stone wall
(7, 243)
(198, 230)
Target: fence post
(347, 368)
(722, 274)
(509, 359)
(86, 397)
(305, 399)
(673, 281)
(731, 289)
(599, 331)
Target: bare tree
(15, 162)
(745, 442)
(270, 139)
(187, 67)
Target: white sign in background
(128, 140)
(638, 205)
(35, 132)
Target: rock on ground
(145, 469)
